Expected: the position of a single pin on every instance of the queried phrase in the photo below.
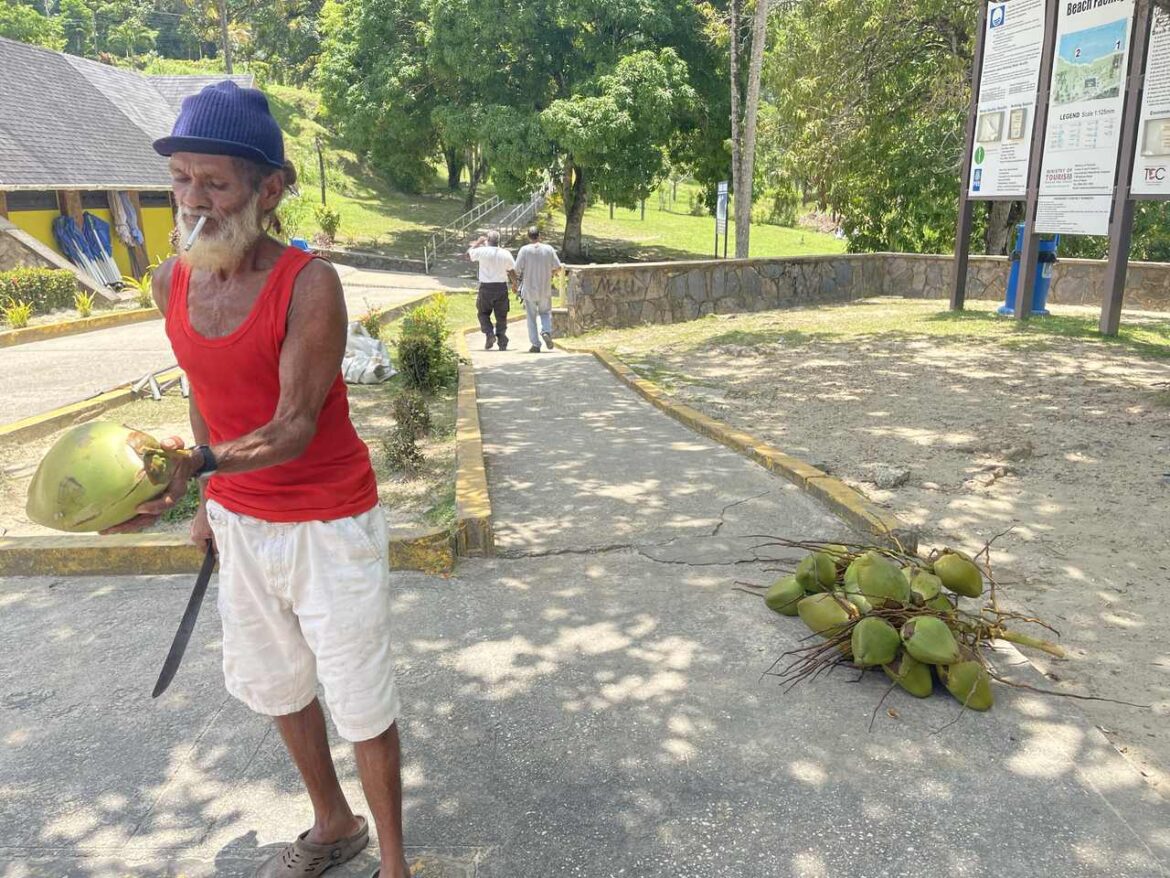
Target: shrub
(402, 451)
(43, 289)
(371, 321)
(329, 220)
(83, 302)
(411, 413)
(423, 355)
(16, 313)
(428, 321)
(418, 363)
(296, 216)
(777, 205)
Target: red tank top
(235, 382)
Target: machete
(187, 625)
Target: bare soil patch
(1056, 440)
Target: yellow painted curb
(842, 500)
(473, 505)
(46, 331)
(425, 549)
(74, 413)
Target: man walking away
(535, 264)
(495, 268)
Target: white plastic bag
(366, 361)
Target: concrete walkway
(45, 375)
(591, 706)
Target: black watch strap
(209, 464)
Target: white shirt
(494, 264)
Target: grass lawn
(673, 234)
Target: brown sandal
(302, 859)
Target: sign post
(963, 237)
(1149, 108)
(721, 217)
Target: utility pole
(320, 166)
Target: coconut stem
(1025, 640)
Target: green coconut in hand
(96, 475)
(784, 595)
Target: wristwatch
(208, 463)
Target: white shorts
(307, 601)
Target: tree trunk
(574, 214)
(998, 236)
(454, 168)
(477, 168)
(736, 136)
(743, 192)
(221, 6)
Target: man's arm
(310, 361)
(160, 284)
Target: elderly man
(535, 265)
(495, 271)
(289, 496)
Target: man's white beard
(223, 249)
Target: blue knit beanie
(225, 119)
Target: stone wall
(617, 296)
(373, 261)
(671, 292)
(15, 254)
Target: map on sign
(1090, 64)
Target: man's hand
(201, 532)
(150, 511)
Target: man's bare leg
(378, 762)
(305, 737)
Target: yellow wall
(157, 224)
(38, 223)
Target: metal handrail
(456, 228)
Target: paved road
(590, 706)
(45, 375)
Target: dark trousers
(493, 300)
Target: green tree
(131, 37)
(376, 85)
(26, 24)
(597, 95)
(871, 102)
(77, 25)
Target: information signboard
(1151, 167)
(1013, 46)
(1087, 97)
(721, 209)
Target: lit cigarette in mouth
(190, 242)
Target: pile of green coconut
(876, 607)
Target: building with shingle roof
(74, 134)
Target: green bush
(418, 363)
(777, 206)
(411, 413)
(371, 321)
(16, 313)
(428, 321)
(402, 451)
(44, 289)
(424, 358)
(296, 216)
(329, 221)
